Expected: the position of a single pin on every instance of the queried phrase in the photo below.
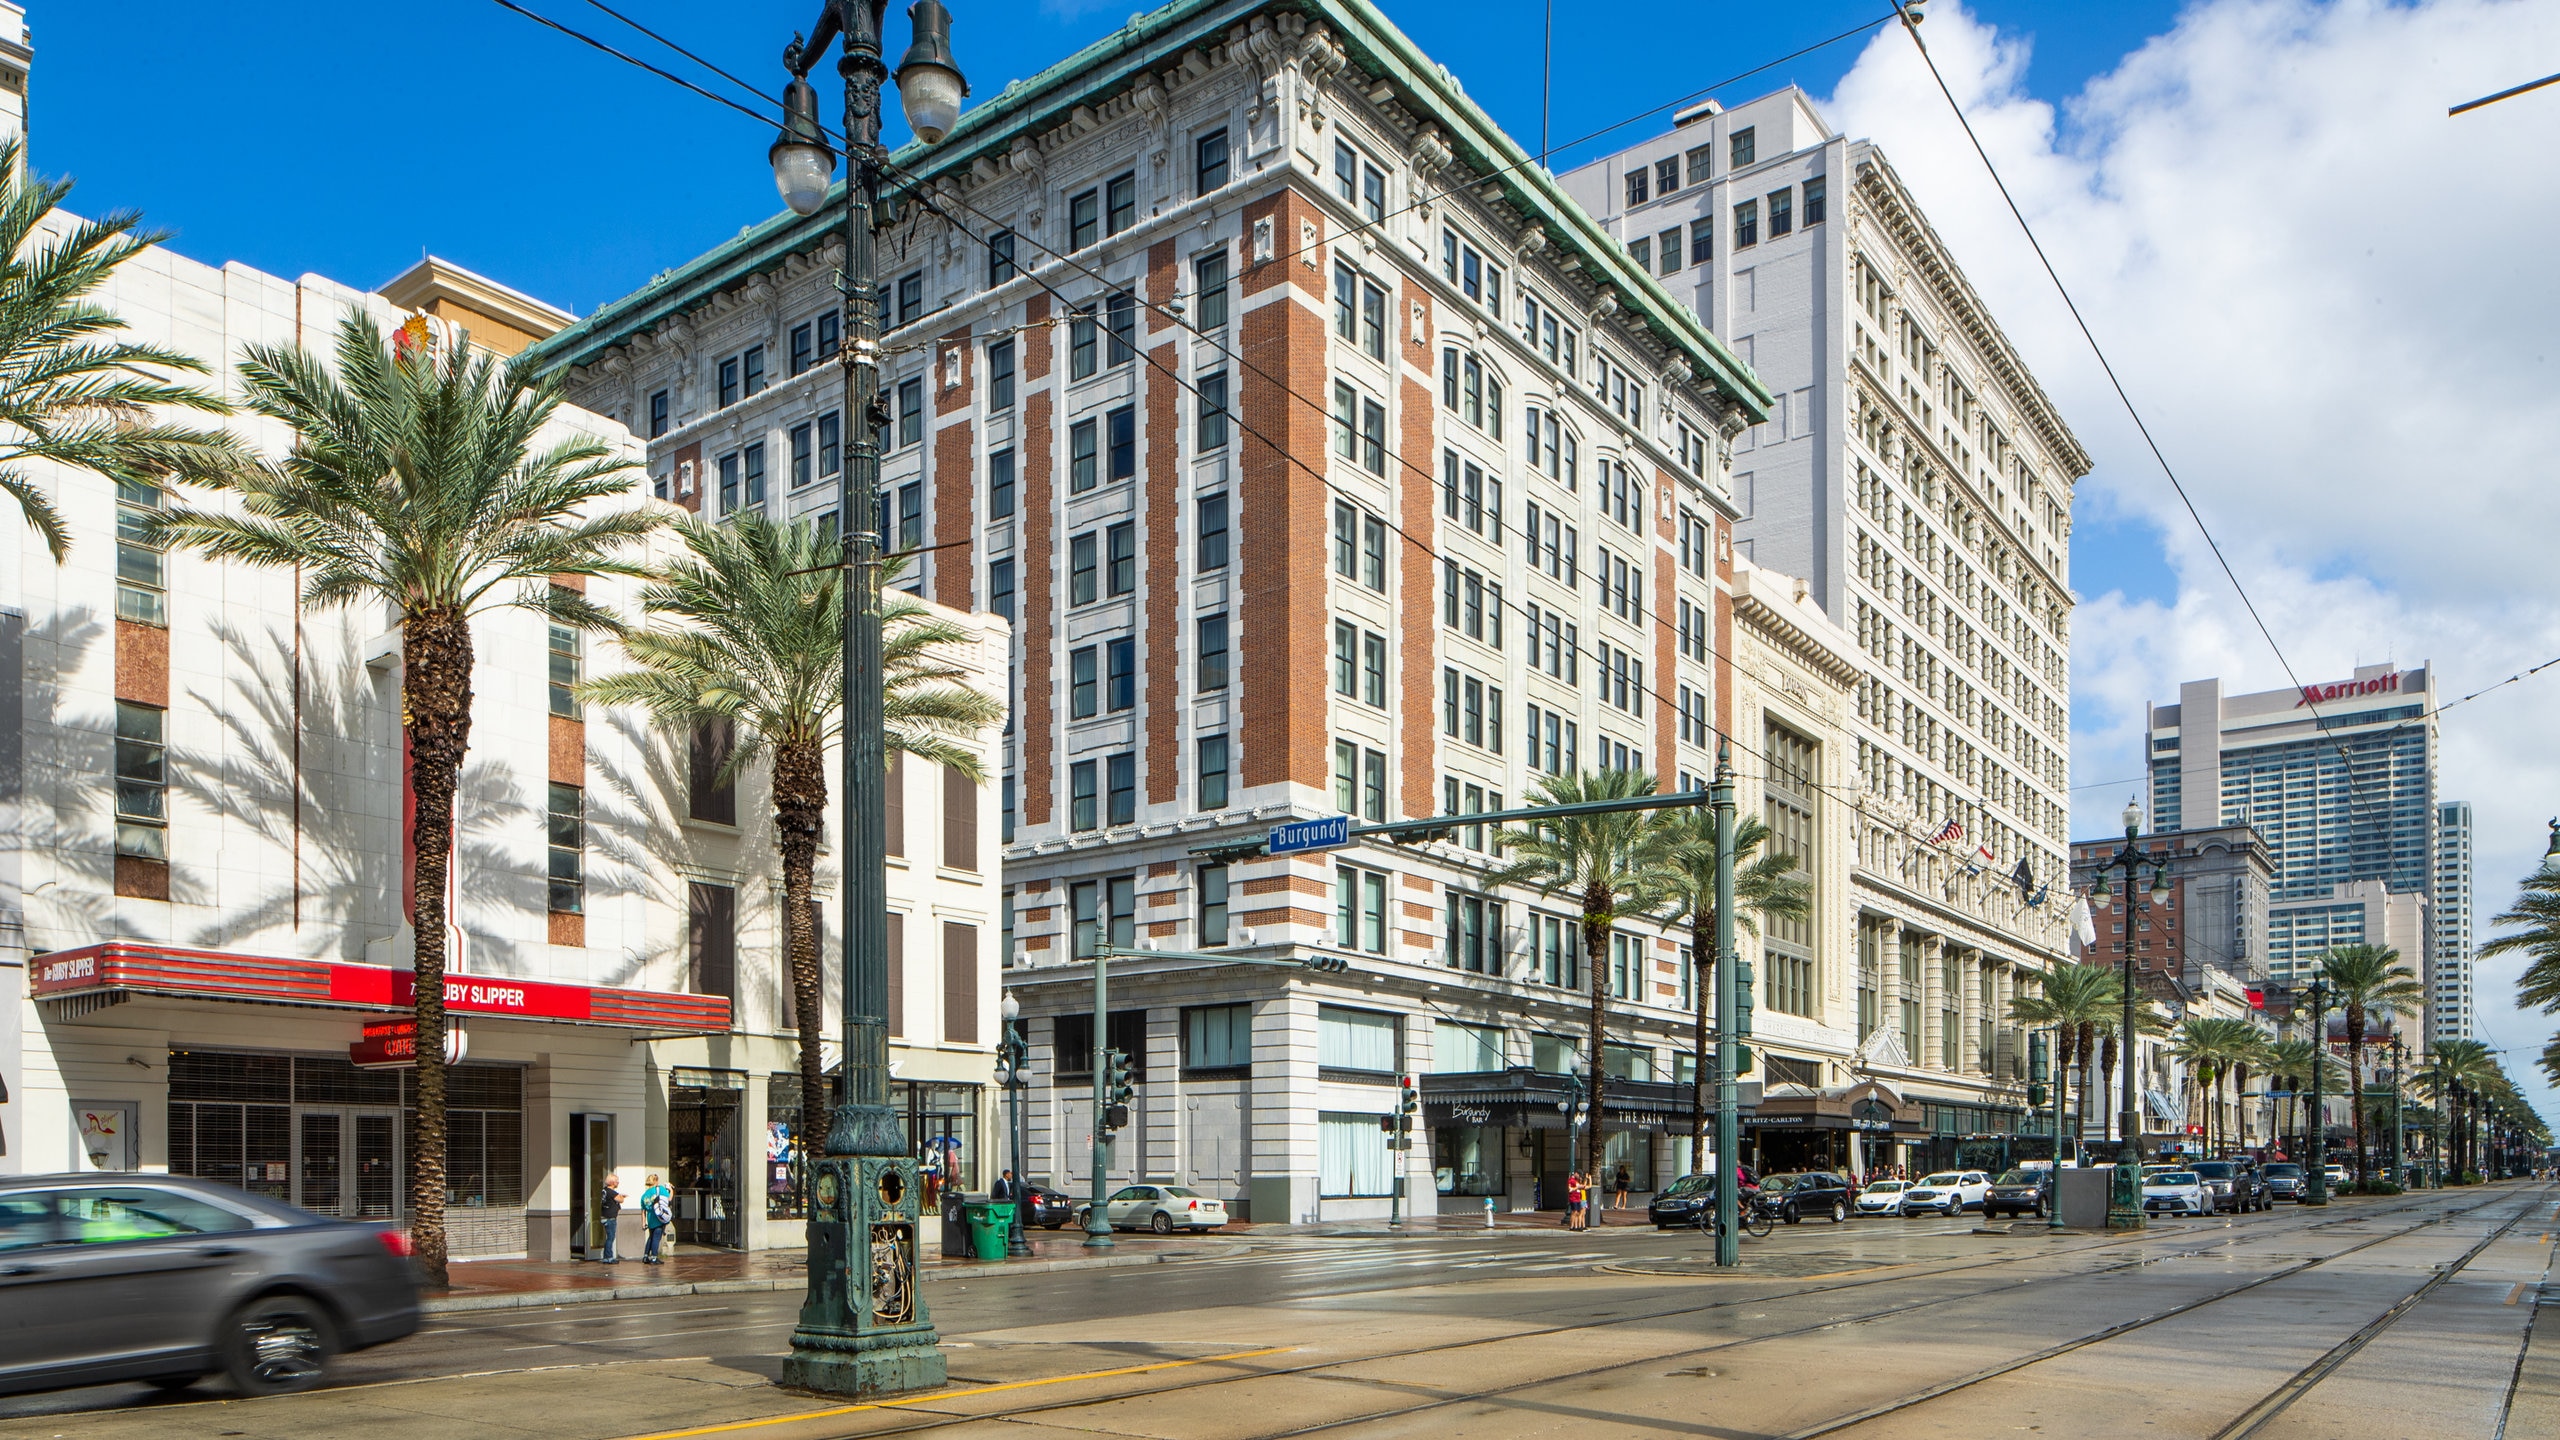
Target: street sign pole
(1728, 1171)
(1097, 1214)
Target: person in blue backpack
(658, 1207)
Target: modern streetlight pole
(2318, 1175)
(2399, 1066)
(1013, 1071)
(2124, 1201)
(863, 1329)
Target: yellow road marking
(959, 1394)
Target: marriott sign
(2348, 690)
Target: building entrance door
(702, 1156)
(346, 1161)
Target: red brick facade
(1166, 647)
(1037, 726)
(1417, 758)
(1280, 648)
(953, 374)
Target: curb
(530, 1299)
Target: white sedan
(1949, 1192)
(1882, 1197)
(2176, 1192)
(1161, 1208)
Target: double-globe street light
(1013, 1072)
(863, 1328)
(2124, 1207)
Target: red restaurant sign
(219, 975)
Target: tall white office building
(2449, 973)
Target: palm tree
(1607, 865)
(2075, 996)
(2147, 1020)
(2369, 981)
(1684, 846)
(2213, 1047)
(2456, 1072)
(2290, 1063)
(413, 481)
(68, 392)
(2537, 911)
(757, 644)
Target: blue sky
(2204, 175)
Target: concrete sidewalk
(515, 1284)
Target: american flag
(1947, 834)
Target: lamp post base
(864, 1332)
(2124, 1198)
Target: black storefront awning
(1522, 1097)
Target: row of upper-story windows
(1647, 183)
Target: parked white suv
(1949, 1192)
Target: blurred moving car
(2019, 1192)
(2286, 1181)
(1680, 1202)
(1161, 1208)
(1813, 1192)
(1047, 1208)
(164, 1279)
(1949, 1192)
(2176, 1192)
(1881, 1197)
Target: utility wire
(689, 55)
(1911, 25)
(2502, 95)
(916, 189)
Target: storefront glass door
(702, 1146)
(346, 1161)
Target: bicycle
(1757, 1215)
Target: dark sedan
(1049, 1209)
(163, 1279)
(1682, 1201)
(2019, 1192)
(1815, 1192)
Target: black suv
(1812, 1192)
(1679, 1203)
(2236, 1184)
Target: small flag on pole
(1947, 834)
(2024, 879)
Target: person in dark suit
(1004, 1188)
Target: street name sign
(1302, 835)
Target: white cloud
(2335, 306)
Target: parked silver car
(164, 1279)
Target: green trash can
(990, 1221)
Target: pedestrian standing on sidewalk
(1576, 1197)
(609, 1210)
(658, 1207)
(1624, 1182)
(1003, 1189)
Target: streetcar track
(1830, 1323)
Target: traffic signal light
(2035, 1095)
(1117, 1086)
(1409, 1105)
(2038, 1065)
(1743, 977)
(1741, 1060)
(1329, 964)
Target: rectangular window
(911, 411)
(1639, 186)
(753, 457)
(830, 334)
(801, 456)
(1698, 157)
(1213, 532)
(657, 413)
(1084, 569)
(729, 382)
(1084, 684)
(729, 483)
(1346, 300)
(568, 837)
(1084, 219)
(1361, 1041)
(1740, 149)
(1000, 376)
(1360, 905)
(1373, 320)
(1373, 785)
(711, 792)
(568, 667)
(1123, 674)
(1346, 659)
(1788, 788)
(1373, 553)
(830, 445)
(1000, 484)
(910, 298)
(1213, 653)
(1668, 243)
(142, 568)
(1702, 241)
(1373, 668)
(1346, 535)
(1209, 280)
(1373, 194)
(1120, 202)
(1000, 266)
(1782, 213)
(1373, 436)
(1346, 777)
(1209, 162)
(1083, 457)
(1000, 588)
(753, 361)
(1121, 577)
(1213, 413)
(1082, 352)
(1346, 172)
(1213, 772)
(1666, 175)
(802, 352)
(142, 782)
(1813, 200)
(1353, 1160)
(911, 516)
(1124, 441)
(1346, 421)
(1083, 809)
(1640, 250)
(711, 940)
(1122, 792)
(1746, 224)
(1216, 1037)
(1473, 943)
(1120, 325)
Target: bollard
(1488, 1212)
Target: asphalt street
(2407, 1316)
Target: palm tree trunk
(799, 819)
(435, 696)
(1703, 965)
(2355, 1082)
(1595, 949)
